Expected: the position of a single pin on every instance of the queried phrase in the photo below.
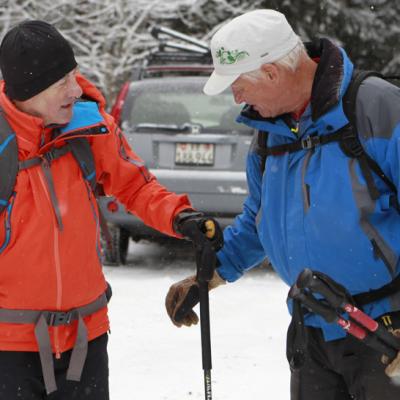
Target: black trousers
(343, 369)
(21, 375)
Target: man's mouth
(67, 106)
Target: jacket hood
(90, 91)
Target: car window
(187, 105)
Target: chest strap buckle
(310, 142)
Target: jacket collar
(328, 78)
(331, 79)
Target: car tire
(117, 254)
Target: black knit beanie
(33, 56)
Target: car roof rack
(190, 55)
(191, 44)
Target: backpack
(351, 146)
(10, 166)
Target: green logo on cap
(230, 56)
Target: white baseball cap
(245, 43)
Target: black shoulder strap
(261, 147)
(83, 155)
(8, 161)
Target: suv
(188, 140)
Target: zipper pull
(295, 129)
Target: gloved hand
(393, 369)
(196, 227)
(183, 296)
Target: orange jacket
(44, 268)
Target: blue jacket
(312, 208)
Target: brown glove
(183, 296)
(393, 369)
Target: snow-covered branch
(109, 37)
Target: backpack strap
(389, 289)
(350, 142)
(83, 155)
(307, 143)
(262, 140)
(8, 161)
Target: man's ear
(271, 72)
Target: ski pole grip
(309, 301)
(304, 280)
(210, 226)
(312, 281)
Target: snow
(152, 359)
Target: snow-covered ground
(152, 359)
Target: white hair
(292, 59)
(289, 61)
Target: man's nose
(237, 96)
(74, 89)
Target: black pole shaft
(205, 338)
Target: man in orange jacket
(53, 303)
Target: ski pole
(338, 297)
(331, 315)
(205, 264)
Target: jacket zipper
(57, 264)
(295, 129)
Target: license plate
(194, 154)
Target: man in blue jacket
(312, 207)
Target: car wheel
(115, 254)
(123, 245)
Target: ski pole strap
(296, 339)
(42, 320)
